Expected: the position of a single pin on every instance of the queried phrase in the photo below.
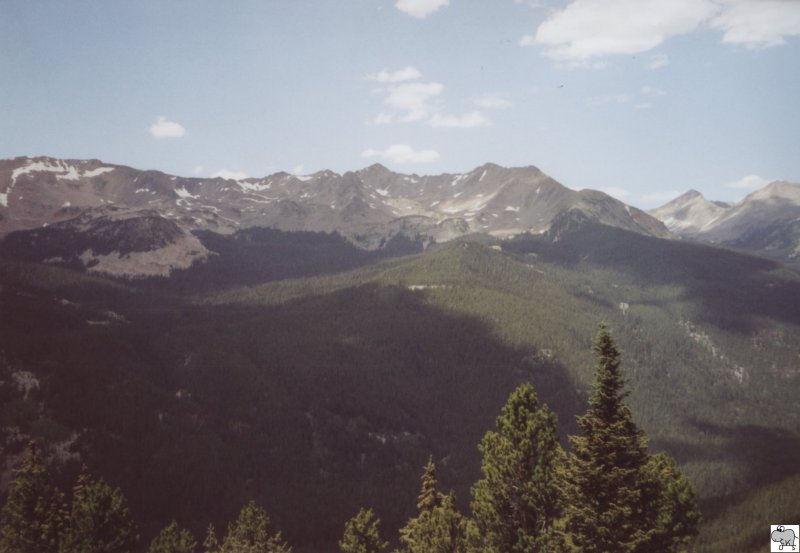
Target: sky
(643, 99)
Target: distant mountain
(369, 207)
(766, 222)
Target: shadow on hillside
(315, 407)
(762, 455)
(258, 255)
(732, 288)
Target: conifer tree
(673, 506)
(211, 543)
(517, 503)
(361, 534)
(173, 539)
(32, 518)
(619, 498)
(429, 496)
(98, 519)
(439, 527)
(248, 534)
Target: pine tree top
(429, 496)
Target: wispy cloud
(616, 192)
(652, 91)
(608, 99)
(420, 8)
(659, 197)
(465, 121)
(748, 182)
(229, 174)
(407, 73)
(402, 154)
(163, 128)
(657, 61)
(413, 100)
(382, 119)
(758, 24)
(493, 101)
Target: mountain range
(309, 341)
(78, 208)
(765, 222)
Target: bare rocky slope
(766, 222)
(369, 207)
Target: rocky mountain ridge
(766, 221)
(369, 207)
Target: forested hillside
(318, 395)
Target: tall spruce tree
(517, 504)
(619, 499)
(361, 534)
(439, 527)
(249, 534)
(173, 539)
(32, 518)
(98, 519)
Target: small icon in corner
(784, 535)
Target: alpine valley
(309, 340)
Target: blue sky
(641, 98)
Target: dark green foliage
(98, 520)
(361, 534)
(173, 539)
(32, 518)
(248, 534)
(604, 496)
(439, 527)
(673, 505)
(429, 496)
(275, 391)
(517, 503)
(211, 543)
(618, 497)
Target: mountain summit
(766, 221)
(489, 199)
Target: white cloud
(652, 91)
(657, 61)
(660, 197)
(402, 154)
(382, 119)
(163, 128)
(420, 8)
(592, 28)
(587, 29)
(414, 99)
(616, 192)
(299, 169)
(748, 182)
(198, 170)
(493, 101)
(228, 174)
(466, 121)
(408, 73)
(608, 99)
(758, 23)
(642, 105)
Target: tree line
(606, 495)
